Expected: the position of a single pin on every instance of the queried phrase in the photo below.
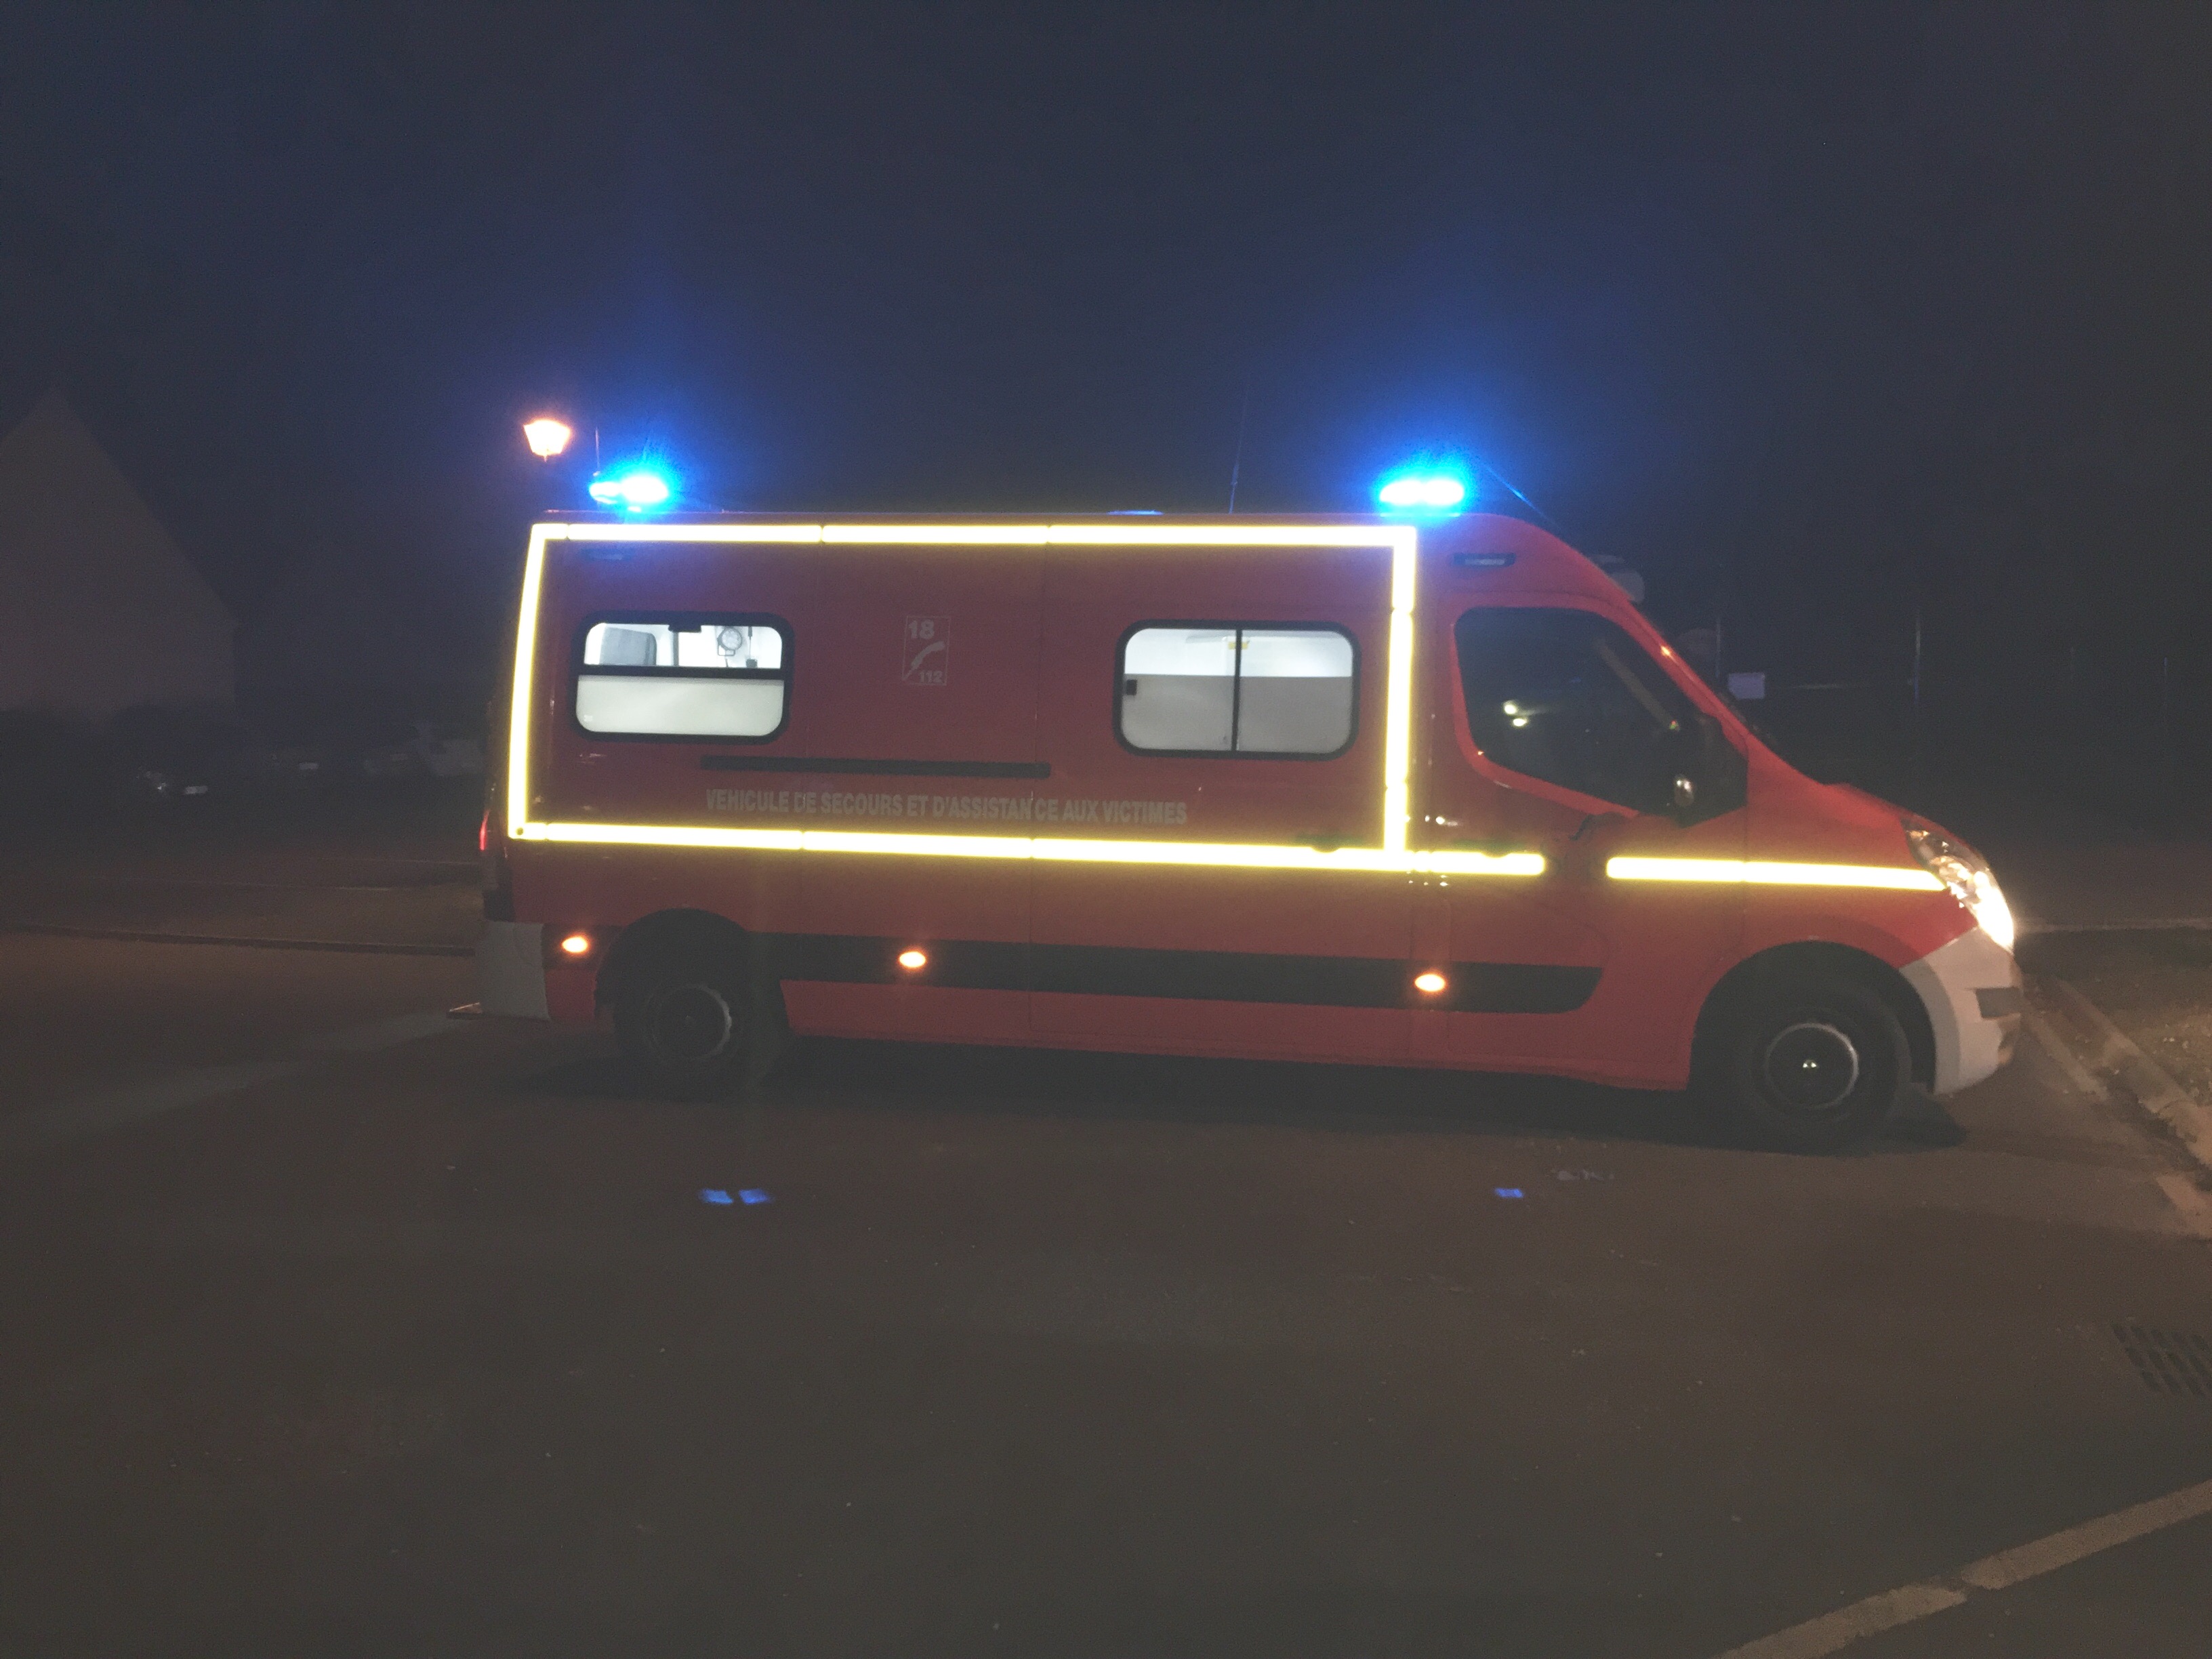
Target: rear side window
(1567, 696)
(1225, 688)
(683, 677)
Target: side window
(682, 677)
(1223, 688)
(1567, 696)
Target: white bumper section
(511, 969)
(1971, 990)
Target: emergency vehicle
(1339, 788)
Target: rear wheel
(686, 1021)
(1806, 1064)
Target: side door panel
(1646, 950)
(1230, 956)
(582, 776)
(884, 735)
(923, 678)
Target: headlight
(1966, 874)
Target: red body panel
(1027, 678)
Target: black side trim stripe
(1490, 987)
(881, 768)
(1220, 977)
(1519, 988)
(968, 964)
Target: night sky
(1802, 309)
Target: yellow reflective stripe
(1023, 535)
(1479, 864)
(920, 535)
(1011, 535)
(683, 532)
(1214, 855)
(1403, 542)
(1398, 701)
(1763, 871)
(1207, 855)
(943, 847)
(525, 651)
(1224, 535)
(673, 834)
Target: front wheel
(685, 1022)
(1808, 1064)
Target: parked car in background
(295, 766)
(429, 749)
(384, 763)
(446, 751)
(158, 755)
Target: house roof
(76, 538)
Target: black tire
(686, 1021)
(1809, 1063)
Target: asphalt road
(332, 1327)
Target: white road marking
(2062, 1549)
(1839, 1629)
(115, 1108)
(1832, 1632)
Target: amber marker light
(576, 943)
(1430, 983)
(912, 960)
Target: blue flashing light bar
(639, 491)
(1422, 492)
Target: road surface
(335, 1327)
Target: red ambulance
(1337, 788)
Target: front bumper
(511, 969)
(1971, 990)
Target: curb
(2146, 1079)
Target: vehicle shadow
(1104, 1087)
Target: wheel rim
(1811, 1065)
(690, 1024)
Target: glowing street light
(546, 436)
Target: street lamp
(546, 436)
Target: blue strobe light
(639, 491)
(1422, 492)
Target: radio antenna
(1237, 465)
(1556, 526)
